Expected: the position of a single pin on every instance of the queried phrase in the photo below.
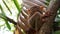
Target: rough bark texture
(52, 8)
(34, 21)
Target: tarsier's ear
(40, 9)
(25, 15)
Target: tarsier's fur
(31, 18)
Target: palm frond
(19, 8)
(6, 21)
(17, 5)
(3, 16)
(7, 6)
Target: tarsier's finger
(27, 11)
(24, 20)
(22, 25)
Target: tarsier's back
(30, 18)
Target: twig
(11, 20)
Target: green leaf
(19, 8)
(6, 21)
(3, 16)
(0, 7)
(48, 0)
(2, 10)
(8, 25)
(57, 32)
(59, 10)
(7, 6)
(17, 5)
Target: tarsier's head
(40, 9)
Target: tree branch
(52, 9)
(11, 20)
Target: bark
(52, 8)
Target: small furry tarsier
(35, 18)
(32, 17)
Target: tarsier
(34, 20)
(37, 17)
(32, 17)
